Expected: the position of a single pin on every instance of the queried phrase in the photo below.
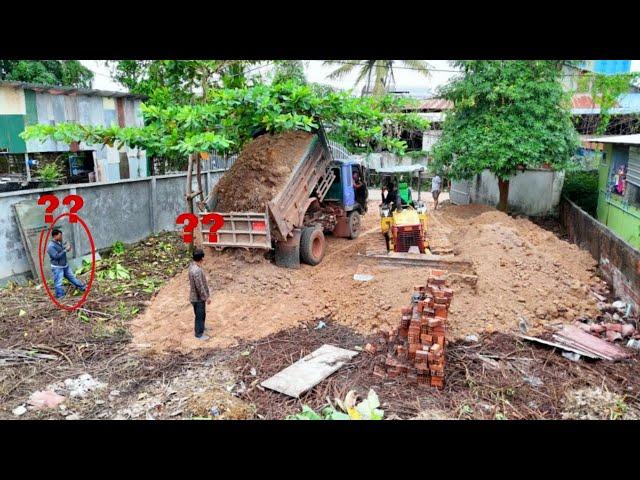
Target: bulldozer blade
(422, 260)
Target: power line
(394, 67)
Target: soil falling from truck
(261, 171)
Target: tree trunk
(188, 196)
(199, 173)
(503, 186)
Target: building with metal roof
(23, 104)
(619, 186)
(60, 90)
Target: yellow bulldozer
(403, 222)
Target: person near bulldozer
(199, 293)
(436, 184)
(391, 195)
(386, 193)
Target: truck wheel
(312, 246)
(354, 224)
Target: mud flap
(288, 253)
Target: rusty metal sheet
(575, 337)
(436, 104)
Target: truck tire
(353, 222)
(312, 246)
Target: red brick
(421, 356)
(441, 311)
(436, 322)
(437, 382)
(379, 371)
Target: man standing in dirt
(60, 268)
(436, 184)
(199, 293)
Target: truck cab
(342, 189)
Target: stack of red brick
(415, 349)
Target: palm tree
(377, 74)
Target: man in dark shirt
(60, 268)
(199, 293)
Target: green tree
(508, 115)
(377, 75)
(285, 70)
(605, 91)
(69, 73)
(178, 81)
(230, 117)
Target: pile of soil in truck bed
(260, 172)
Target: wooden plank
(423, 260)
(309, 371)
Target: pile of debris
(614, 323)
(260, 172)
(416, 348)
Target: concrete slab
(309, 371)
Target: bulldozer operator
(391, 196)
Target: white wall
(533, 192)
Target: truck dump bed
(284, 212)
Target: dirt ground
(264, 318)
(525, 273)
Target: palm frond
(365, 71)
(341, 71)
(421, 66)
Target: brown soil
(260, 171)
(523, 270)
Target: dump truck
(319, 197)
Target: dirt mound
(260, 171)
(524, 273)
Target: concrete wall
(533, 192)
(127, 210)
(619, 261)
(386, 159)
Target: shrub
(581, 187)
(50, 175)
